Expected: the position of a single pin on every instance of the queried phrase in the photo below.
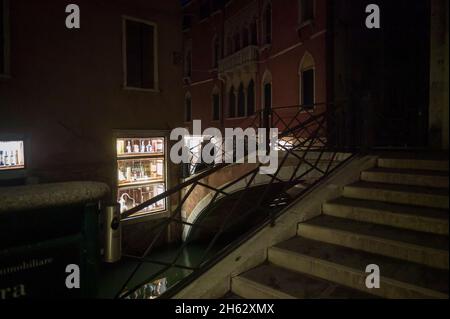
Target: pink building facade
(242, 56)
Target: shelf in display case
(140, 183)
(140, 155)
(140, 147)
(140, 171)
(130, 197)
(12, 155)
(11, 168)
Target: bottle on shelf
(1, 159)
(160, 168)
(129, 150)
(142, 146)
(128, 174)
(6, 159)
(148, 148)
(153, 170)
(159, 146)
(136, 147)
(12, 159)
(21, 154)
(121, 175)
(120, 147)
(142, 171)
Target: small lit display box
(141, 172)
(12, 155)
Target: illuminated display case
(12, 156)
(141, 172)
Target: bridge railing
(310, 151)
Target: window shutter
(2, 38)
(140, 51)
(308, 87)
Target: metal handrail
(203, 174)
(309, 133)
(257, 115)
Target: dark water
(224, 223)
(148, 276)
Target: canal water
(240, 220)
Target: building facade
(242, 56)
(66, 91)
(68, 94)
(393, 79)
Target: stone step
(423, 219)
(231, 295)
(400, 194)
(271, 282)
(421, 164)
(345, 266)
(437, 179)
(419, 247)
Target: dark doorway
(267, 109)
(404, 113)
(251, 98)
(308, 88)
(382, 74)
(267, 97)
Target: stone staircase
(396, 217)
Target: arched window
(241, 101)
(306, 74)
(188, 64)
(245, 37)
(216, 104)
(205, 9)
(251, 98)
(267, 23)
(268, 96)
(188, 108)
(232, 102)
(267, 90)
(216, 51)
(229, 45)
(253, 33)
(306, 10)
(237, 42)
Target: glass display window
(141, 173)
(151, 290)
(129, 198)
(132, 147)
(12, 156)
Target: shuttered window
(140, 55)
(231, 103)
(2, 37)
(308, 87)
(188, 110)
(306, 10)
(216, 107)
(251, 98)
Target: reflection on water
(153, 279)
(151, 290)
(190, 257)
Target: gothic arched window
(267, 21)
(241, 101)
(251, 98)
(231, 103)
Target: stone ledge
(50, 195)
